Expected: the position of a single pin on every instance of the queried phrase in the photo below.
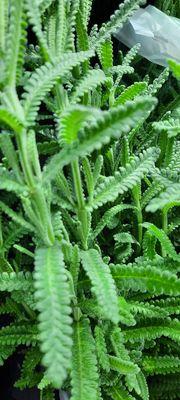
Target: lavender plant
(89, 181)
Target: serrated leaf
(102, 283)
(84, 375)
(150, 279)
(164, 240)
(126, 179)
(44, 78)
(53, 302)
(111, 124)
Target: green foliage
(87, 84)
(28, 378)
(101, 349)
(116, 21)
(53, 300)
(122, 366)
(15, 42)
(168, 198)
(126, 179)
(91, 194)
(16, 281)
(175, 67)
(161, 365)
(164, 240)
(168, 328)
(17, 335)
(107, 217)
(145, 278)
(6, 351)
(102, 283)
(119, 393)
(44, 78)
(131, 92)
(111, 124)
(84, 374)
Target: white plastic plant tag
(158, 34)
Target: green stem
(136, 195)
(165, 220)
(165, 227)
(61, 97)
(12, 100)
(38, 200)
(81, 211)
(78, 184)
(140, 221)
(30, 312)
(22, 145)
(111, 97)
(40, 206)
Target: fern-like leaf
(131, 92)
(119, 393)
(44, 78)
(8, 118)
(158, 82)
(16, 281)
(161, 364)
(16, 217)
(169, 329)
(84, 376)
(106, 55)
(147, 310)
(117, 20)
(126, 179)
(14, 40)
(61, 28)
(31, 360)
(168, 198)
(86, 6)
(122, 366)
(164, 240)
(73, 120)
(111, 124)
(151, 279)
(106, 218)
(144, 391)
(53, 299)
(101, 348)
(34, 16)
(15, 335)
(171, 126)
(102, 283)
(90, 81)
(5, 352)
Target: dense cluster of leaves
(89, 179)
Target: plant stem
(111, 97)
(140, 221)
(164, 226)
(165, 220)
(22, 145)
(136, 195)
(81, 212)
(78, 184)
(38, 200)
(30, 312)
